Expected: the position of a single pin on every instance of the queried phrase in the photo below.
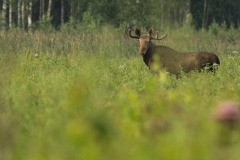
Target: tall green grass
(90, 96)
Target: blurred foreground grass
(92, 97)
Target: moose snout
(143, 50)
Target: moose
(158, 57)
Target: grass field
(90, 96)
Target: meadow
(72, 95)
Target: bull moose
(158, 57)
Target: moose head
(144, 39)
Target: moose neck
(147, 56)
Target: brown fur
(163, 57)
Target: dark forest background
(88, 15)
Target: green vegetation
(66, 95)
(89, 15)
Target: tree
(29, 16)
(204, 19)
(204, 12)
(10, 13)
(41, 8)
(118, 13)
(4, 14)
(23, 15)
(62, 12)
(49, 9)
(154, 13)
(19, 14)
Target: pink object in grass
(228, 112)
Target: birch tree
(23, 17)
(49, 9)
(10, 13)
(19, 14)
(4, 10)
(30, 17)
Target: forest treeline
(91, 14)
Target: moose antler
(129, 34)
(160, 38)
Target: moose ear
(150, 32)
(137, 31)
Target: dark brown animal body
(163, 57)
